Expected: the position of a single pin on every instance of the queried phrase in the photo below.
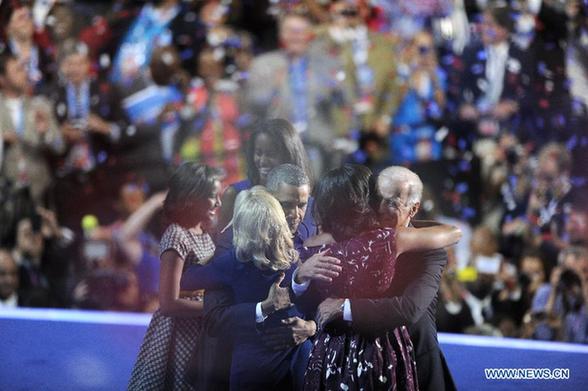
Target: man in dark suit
(489, 84)
(412, 297)
(93, 123)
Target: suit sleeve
(222, 315)
(219, 272)
(374, 316)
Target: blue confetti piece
(541, 68)
(482, 55)
(462, 144)
(447, 59)
(101, 157)
(469, 213)
(462, 187)
(578, 181)
(477, 69)
(572, 142)
(360, 156)
(464, 165)
(186, 54)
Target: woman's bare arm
(169, 288)
(429, 238)
(128, 238)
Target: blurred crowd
(485, 100)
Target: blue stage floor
(85, 350)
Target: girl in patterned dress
(341, 358)
(191, 206)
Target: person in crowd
(159, 23)
(300, 84)
(62, 26)
(490, 80)
(539, 218)
(486, 261)
(369, 65)
(453, 313)
(40, 251)
(28, 130)
(233, 45)
(155, 112)
(576, 226)
(191, 206)
(109, 289)
(262, 258)
(509, 301)
(421, 104)
(273, 142)
(532, 273)
(411, 299)
(138, 246)
(39, 65)
(352, 236)
(88, 111)
(92, 122)
(215, 139)
(568, 324)
(550, 304)
(9, 295)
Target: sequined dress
(342, 359)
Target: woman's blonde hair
(260, 231)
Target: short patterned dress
(170, 343)
(342, 359)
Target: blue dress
(254, 366)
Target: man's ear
(414, 209)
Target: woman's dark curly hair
(189, 187)
(342, 202)
(287, 143)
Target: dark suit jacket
(468, 75)
(411, 301)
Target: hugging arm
(215, 274)
(222, 315)
(374, 316)
(422, 239)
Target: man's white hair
(397, 175)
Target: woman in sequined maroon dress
(343, 359)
